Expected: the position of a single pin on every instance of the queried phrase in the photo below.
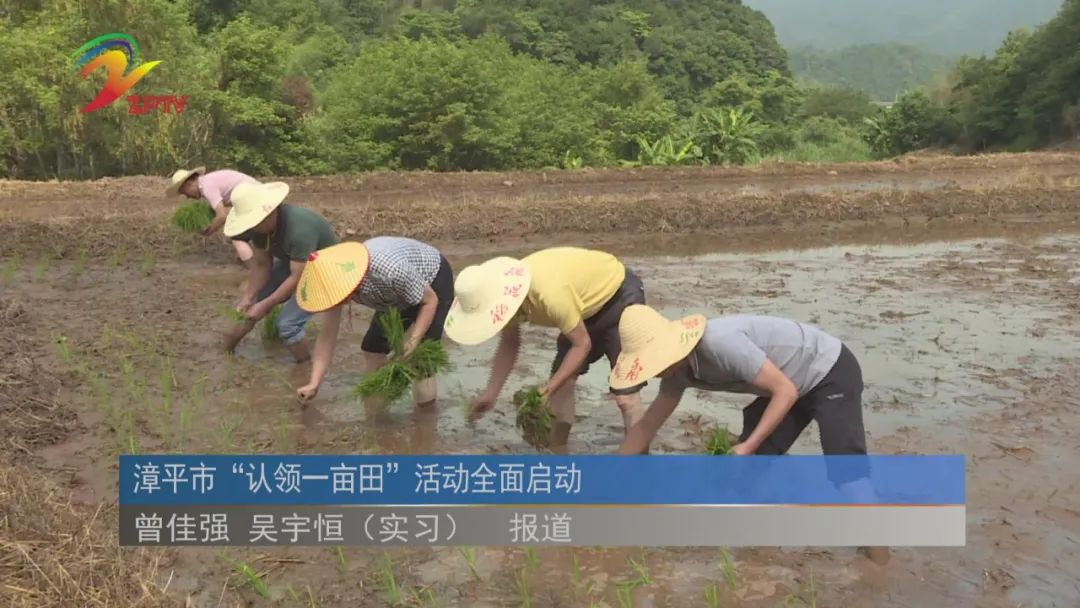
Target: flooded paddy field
(966, 332)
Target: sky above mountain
(947, 27)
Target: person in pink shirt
(215, 188)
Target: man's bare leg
(236, 334)
(563, 403)
(300, 351)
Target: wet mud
(967, 334)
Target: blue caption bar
(538, 480)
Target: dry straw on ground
(54, 554)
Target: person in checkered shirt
(382, 273)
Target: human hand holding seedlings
(259, 310)
(742, 449)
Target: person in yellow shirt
(580, 292)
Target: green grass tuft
(720, 443)
(534, 417)
(192, 217)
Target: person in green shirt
(282, 238)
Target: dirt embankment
(101, 216)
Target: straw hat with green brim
(180, 177)
(331, 275)
(251, 204)
(651, 344)
(487, 297)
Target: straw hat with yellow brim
(651, 344)
(487, 297)
(180, 177)
(331, 275)
(251, 204)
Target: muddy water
(928, 338)
(952, 335)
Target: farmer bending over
(384, 272)
(580, 292)
(281, 237)
(798, 372)
(215, 188)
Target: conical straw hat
(251, 204)
(651, 344)
(487, 297)
(179, 177)
(331, 275)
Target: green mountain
(883, 71)
(950, 28)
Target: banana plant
(665, 151)
(727, 136)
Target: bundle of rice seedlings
(193, 217)
(392, 381)
(534, 417)
(269, 327)
(720, 442)
(233, 314)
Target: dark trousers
(603, 327)
(836, 404)
(443, 285)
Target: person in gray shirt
(798, 373)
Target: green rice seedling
(389, 383)
(41, 268)
(192, 217)
(252, 579)
(389, 583)
(270, 331)
(522, 581)
(729, 568)
(342, 564)
(293, 595)
(534, 417)
(79, 267)
(10, 268)
(117, 258)
(63, 351)
(469, 553)
(712, 596)
(625, 595)
(146, 265)
(720, 442)
(428, 359)
(232, 314)
(311, 598)
(641, 571)
(532, 559)
(424, 597)
(392, 381)
(575, 572)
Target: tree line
(276, 87)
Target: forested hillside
(1025, 96)
(335, 85)
(949, 28)
(284, 87)
(881, 70)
